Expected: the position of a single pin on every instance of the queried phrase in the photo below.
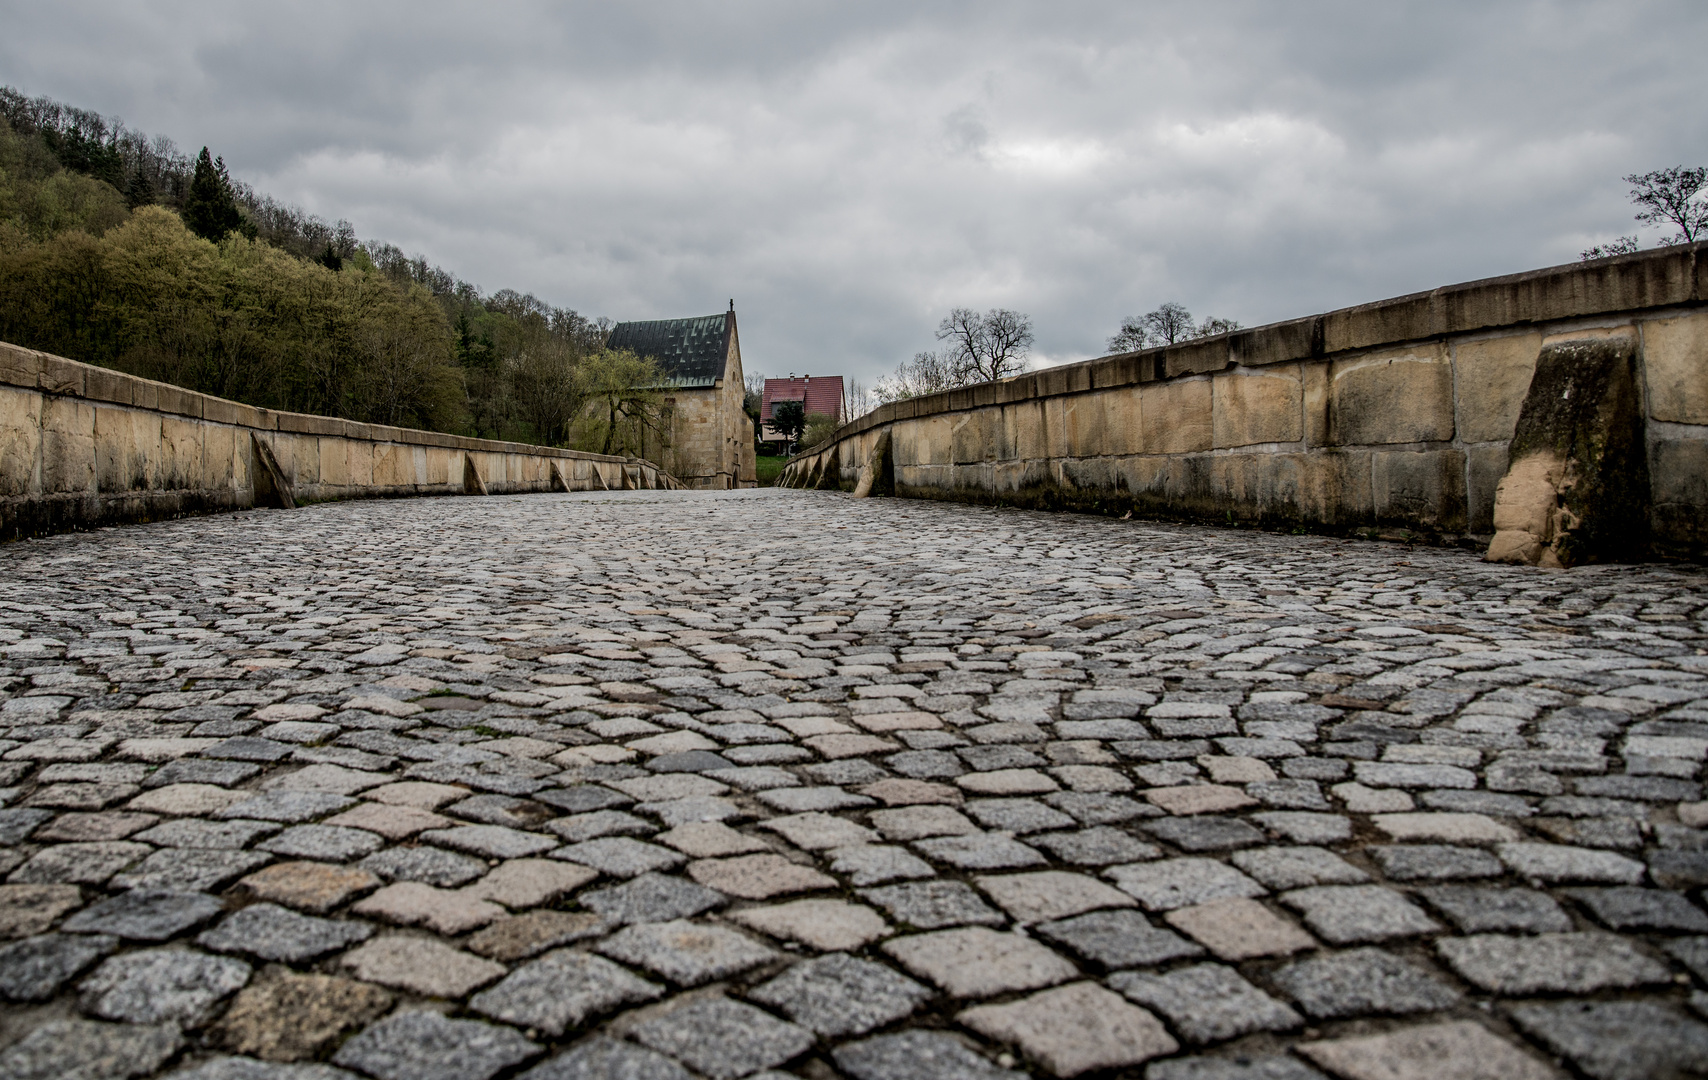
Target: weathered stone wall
(1393, 415)
(708, 433)
(82, 446)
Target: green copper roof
(691, 351)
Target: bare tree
(926, 373)
(861, 400)
(1624, 245)
(986, 347)
(1169, 324)
(1669, 197)
(1133, 336)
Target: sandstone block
(1578, 489)
(1177, 416)
(1424, 488)
(1258, 406)
(20, 441)
(67, 446)
(1397, 396)
(1494, 375)
(1680, 478)
(1485, 466)
(1675, 359)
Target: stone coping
(1665, 277)
(47, 373)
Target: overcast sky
(848, 172)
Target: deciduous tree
(926, 373)
(1169, 324)
(984, 348)
(1675, 197)
(628, 413)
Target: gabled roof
(692, 352)
(818, 393)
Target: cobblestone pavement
(656, 785)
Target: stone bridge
(1556, 416)
(659, 784)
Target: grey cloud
(849, 172)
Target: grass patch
(768, 469)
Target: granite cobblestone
(776, 783)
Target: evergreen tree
(140, 191)
(210, 208)
(789, 419)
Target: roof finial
(732, 303)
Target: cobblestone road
(650, 786)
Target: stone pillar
(1577, 489)
(878, 475)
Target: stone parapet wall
(1392, 416)
(82, 446)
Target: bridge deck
(759, 780)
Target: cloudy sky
(848, 172)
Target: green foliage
(625, 410)
(38, 199)
(263, 304)
(239, 319)
(789, 419)
(767, 468)
(819, 427)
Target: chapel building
(711, 436)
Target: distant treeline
(117, 249)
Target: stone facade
(711, 435)
(1391, 416)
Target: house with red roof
(817, 393)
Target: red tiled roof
(819, 393)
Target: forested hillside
(118, 250)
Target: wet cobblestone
(777, 783)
